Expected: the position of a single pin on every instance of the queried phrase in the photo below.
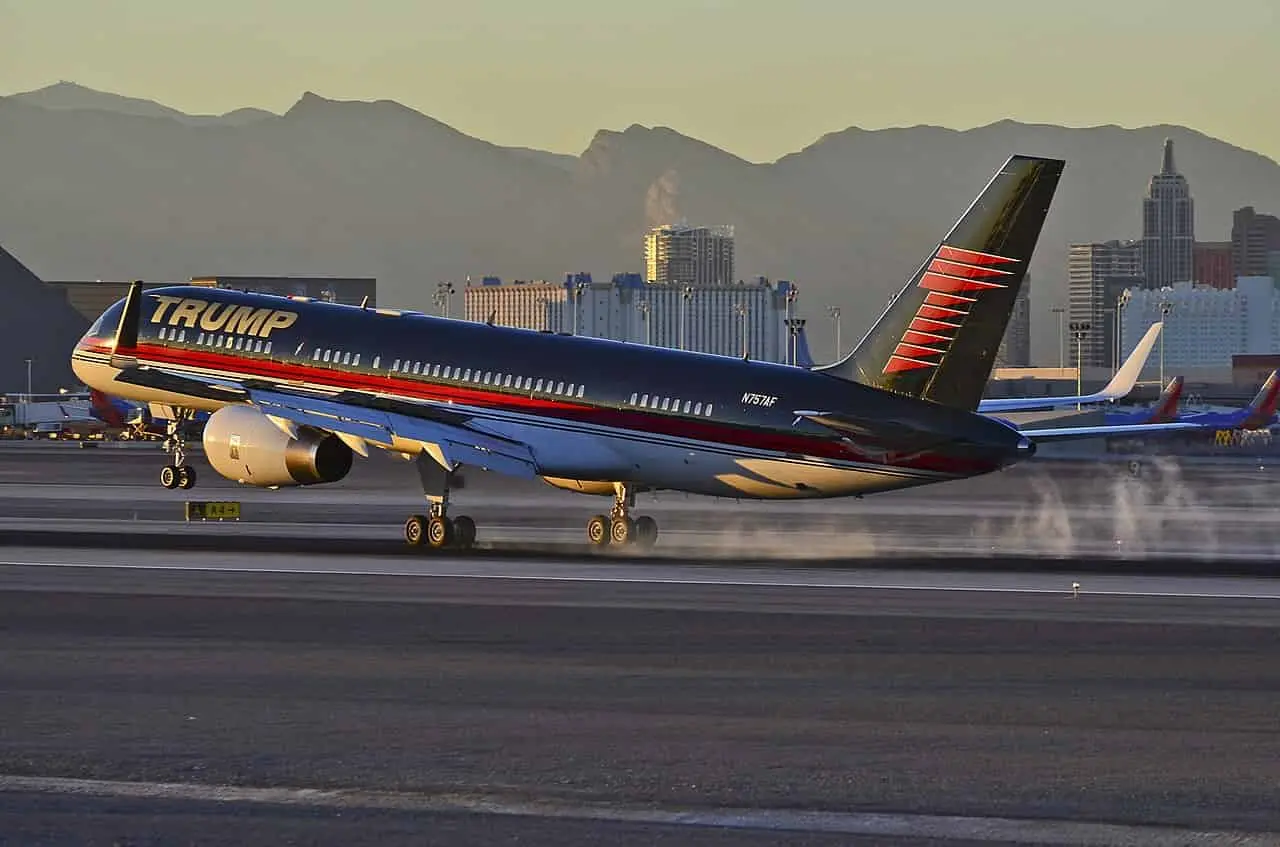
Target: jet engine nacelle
(242, 444)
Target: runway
(1060, 510)
(321, 691)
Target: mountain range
(99, 186)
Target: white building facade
(730, 320)
(1204, 327)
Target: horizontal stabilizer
(1101, 431)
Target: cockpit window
(104, 328)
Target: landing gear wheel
(646, 534)
(622, 531)
(439, 531)
(415, 530)
(169, 476)
(598, 530)
(464, 532)
(186, 477)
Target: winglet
(127, 332)
(1127, 377)
(1120, 386)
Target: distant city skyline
(759, 81)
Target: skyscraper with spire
(1168, 226)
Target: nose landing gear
(179, 474)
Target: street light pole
(643, 307)
(789, 301)
(1062, 341)
(28, 380)
(1079, 329)
(740, 309)
(1165, 308)
(1122, 300)
(834, 311)
(686, 295)
(444, 297)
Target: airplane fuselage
(593, 412)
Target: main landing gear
(179, 474)
(619, 529)
(436, 529)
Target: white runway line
(625, 573)
(983, 829)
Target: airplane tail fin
(1166, 408)
(1262, 408)
(938, 338)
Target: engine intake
(244, 445)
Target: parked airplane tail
(1166, 407)
(109, 410)
(1262, 408)
(937, 340)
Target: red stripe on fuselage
(637, 421)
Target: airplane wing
(208, 388)
(1119, 386)
(360, 419)
(1102, 430)
(446, 436)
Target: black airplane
(296, 387)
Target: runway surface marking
(984, 829)
(1062, 584)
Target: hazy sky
(758, 77)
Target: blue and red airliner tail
(1164, 410)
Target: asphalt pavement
(313, 693)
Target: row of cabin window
(224, 342)
(666, 404)
(340, 357)
(497, 380)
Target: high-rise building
(1253, 238)
(1015, 346)
(689, 255)
(1212, 264)
(1097, 274)
(728, 320)
(1204, 327)
(1168, 226)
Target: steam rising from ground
(1108, 511)
(1153, 512)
